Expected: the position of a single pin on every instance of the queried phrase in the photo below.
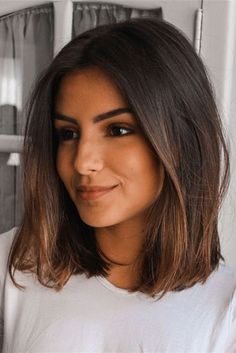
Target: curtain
(90, 14)
(26, 48)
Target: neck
(122, 244)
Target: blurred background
(32, 32)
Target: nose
(88, 158)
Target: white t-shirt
(93, 315)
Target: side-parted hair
(168, 90)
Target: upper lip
(94, 188)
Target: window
(26, 47)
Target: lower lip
(93, 195)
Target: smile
(93, 195)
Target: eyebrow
(97, 118)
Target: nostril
(87, 166)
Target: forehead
(90, 86)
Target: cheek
(141, 174)
(139, 166)
(63, 166)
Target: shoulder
(223, 275)
(7, 237)
(227, 277)
(6, 240)
(222, 282)
(215, 295)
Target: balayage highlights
(168, 90)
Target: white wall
(219, 54)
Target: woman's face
(98, 151)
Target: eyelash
(61, 132)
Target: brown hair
(167, 87)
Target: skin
(107, 153)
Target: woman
(118, 250)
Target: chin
(97, 221)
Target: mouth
(93, 195)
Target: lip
(83, 188)
(93, 193)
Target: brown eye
(66, 134)
(116, 130)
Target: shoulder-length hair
(168, 90)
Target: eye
(64, 134)
(116, 130)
